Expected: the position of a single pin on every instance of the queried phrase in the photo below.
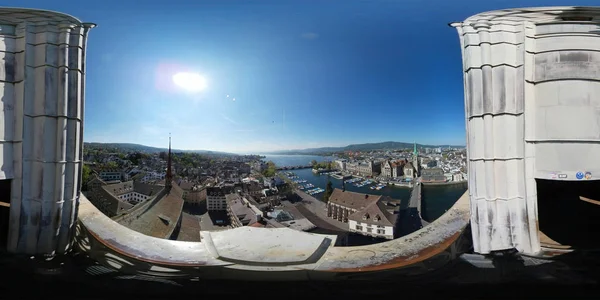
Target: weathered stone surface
(40, 147)
(532, 104)
(248, 245)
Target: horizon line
(272, 151)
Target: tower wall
(41, 84)
(532, 108)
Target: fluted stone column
(532, 112)
(47, 54)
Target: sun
(191, 82)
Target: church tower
(169, 175)
(416, 160)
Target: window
(359, 228)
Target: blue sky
(304, 73)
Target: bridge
(410, 219)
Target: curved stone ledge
(537, 14)
(282, 253)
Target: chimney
(366, 196)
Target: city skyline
(277, 73)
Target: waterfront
(295, 160)
(436, 198)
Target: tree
(313, 163)
(85, 176)
(270, 170)
(328, 191)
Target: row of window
(134, 196)
(380, 229)
(216, 204)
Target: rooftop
(190, 228)
(376, 213)
(161, 218)
(353, 200)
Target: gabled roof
(146, 189)
(160, 220)
(376, 213)
(132, 186)
(352, 200)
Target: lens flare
(191, 82)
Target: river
(436, 199)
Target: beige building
(371, 215)
(392, 169)
(364, 168)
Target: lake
(295, 160)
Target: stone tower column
(45, 52)
(532, 112)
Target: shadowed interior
(565, 220)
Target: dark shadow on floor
(565, 218)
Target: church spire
(415, 148)
(169, 176)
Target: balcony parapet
(268, 253)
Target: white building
(365, 214)
(341, 164)
(111, 175)
(215, 199)
(153, 176)
(457, 177)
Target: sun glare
(191, 82)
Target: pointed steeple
(415, 148)
(169, 176)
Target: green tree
(313, 163)
(328, 191)
(86, 173)
(270, 170)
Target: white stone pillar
(532, 107)
(47, 117)
(493, 77)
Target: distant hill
(127, 147)
(360, 147)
